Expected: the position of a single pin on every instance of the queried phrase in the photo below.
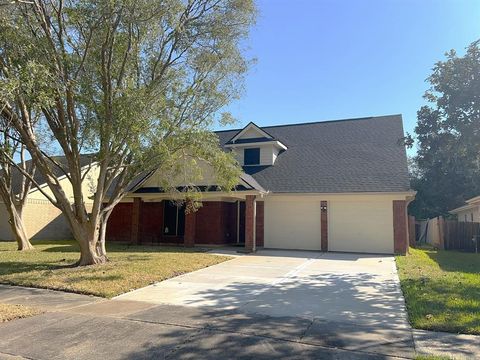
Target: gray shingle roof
(17, 177)
(353, 155)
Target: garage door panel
(365, 226)
(292, 225)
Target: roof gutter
(462, 208)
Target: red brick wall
(216, 223)
(119, 227)
(230, 222)
(259, 229)
(136, 209)
(241, 222)
(400, 227)
(171, 240)
(151, 222)
(190, 227)
(209, 223)
(249, 222)
(324, 225)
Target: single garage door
(292, 224)
(364, 226)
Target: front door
(173, 220)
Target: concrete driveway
(332, 286)
(347, 301)
(272, 305)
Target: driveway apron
(347, 301)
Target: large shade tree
(135, 83)
(14, 186)
(447, 165)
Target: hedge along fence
(461, 235)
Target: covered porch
(152, 218)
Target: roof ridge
(317, 122)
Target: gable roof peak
(251, 125)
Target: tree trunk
(89, 254)
(23, 243)
(101, 249)
(18, 229)
(88, 241)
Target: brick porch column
(190, 228)
(400, 227)
(324, 225)
(137, 204)
(250, 215)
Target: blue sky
(334, 59)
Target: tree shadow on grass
(456, 261)
(63, 263)
(89, 277)
(17, 267)
(124, 248)
(115, 248)
(62, 249)
(441, 305)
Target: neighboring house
(43, 220)
(333, 186)
(469, 212)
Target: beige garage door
(365, 226)
(292, 224)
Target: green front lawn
(130, 267)
(442, 290)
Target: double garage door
(353, 226)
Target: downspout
(408, 200)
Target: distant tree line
(446, 169)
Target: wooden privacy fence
(430, 232)
(461, 235)
(449, 234)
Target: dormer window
(251, 156)
(254, 146)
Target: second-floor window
(251, 156)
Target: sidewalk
(82, 326)
(47, 300)
(457, 346)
